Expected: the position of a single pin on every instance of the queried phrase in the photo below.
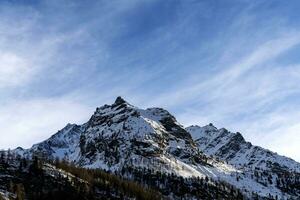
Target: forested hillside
(38, 179)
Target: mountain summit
(119, 100)
(121, 136)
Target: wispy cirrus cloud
(231, 63)
(227, 77)
(13, 69)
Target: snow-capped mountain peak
(119, 100)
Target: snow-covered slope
(264, 166)
(122, 135)
(233, 148)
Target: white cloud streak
(217, 83)
(23, 123)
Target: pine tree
(20, 191)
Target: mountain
(121, 134)
(126, 140)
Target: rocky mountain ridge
(233, 148)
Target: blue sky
(233, 63)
